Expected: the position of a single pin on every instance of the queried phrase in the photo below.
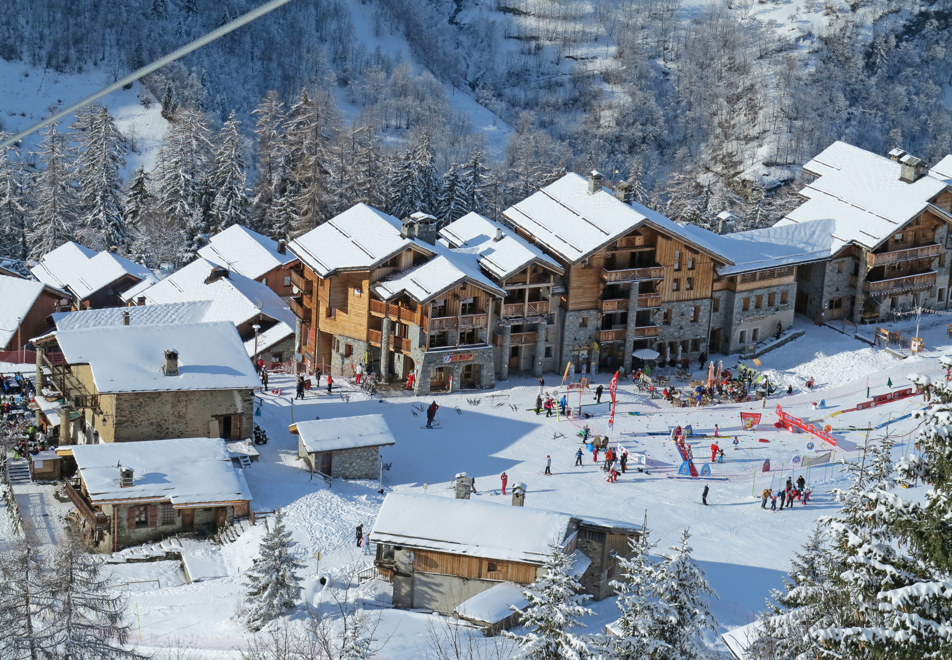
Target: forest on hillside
(700, 106)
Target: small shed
(45, 466)
(344, 447)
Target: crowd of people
(792, 491)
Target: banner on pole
(613, 390)
(750, 420)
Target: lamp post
(255, 356)
(19, 345)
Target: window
(783, 297)
(697, 314)
(716, 305)
(754, 334)
(677, 259)
(358, 293)
(548, 351)
(743, 336)
(667, 317)
(583, 322)
(690, 263)
(675, 284)
(287, 280)
(470, 336)
(467, 306)
(492, 567)
(771, 299)
(695, 345)
(899, 238)
(839, 266)
(745, 306)
(167, 515)
(591, 535)
(141, 517)
(689, 284)
(348, 350)
(759, 302)
(941, 295)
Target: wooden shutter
(131, 522)
(153, 515)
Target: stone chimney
(113, 249)
(896, 154)
(912, 169)
(464, 486)
(594, 182)
(171, 363)
(125, 317)
(624, 192)
(126, 477)
(725, 222)
(282, 246)
(518, 494)
(217, 273)
(421, 226)
(500, 234)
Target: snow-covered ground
(743, 550)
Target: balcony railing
(399, 344)
(374, 337)
(381, 308)
(97, 519)
(611, 335)
(522, 310)
(899, 285)
(649, 300)
(613, 305)
(633, 274)
(908, 254)
(440, 323)
(298, 309)
(646, 331)
(303, 284)
(523, 338)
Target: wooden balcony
(908, 254)
(613, 305)
(649, 300)
(303, 284)
(611, 335)
(374, 337)
(395, 312)
(524, 310)
(466, 321)
(97, 519)
(898, 285)
(633, 274)
(298, 309)
(523, 338)
(399, 345)
(646, 331)
(630, 242)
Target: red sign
(750, 420)
(457, 357)
(790, 422)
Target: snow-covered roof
(131, 358)
(234, 298)
(360, 238)
(169, 313)
(501, 252)
(461, 527)
(185, 471)
(241, 250)
(331, 434)
(738, 640)
(268, 338)
(85, 271)
(862, 194)
(772, 247)
(18, 296)
(494, 604)
(443, 271)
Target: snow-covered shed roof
(241, 250)
(501, 252)
(169, 313)
(862, 194)
(426, 281)
(461, 527)
(573, 224)
(18, 297)
(130, 358)
(771, 247)
(233, 296)
(738, 640)
(331, 434)
(85, 271)
(187, 472)
(360, 238)
(494, 604)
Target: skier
(330, 383)
(431, 414)
(300, 388)
(541, 385)
(779, 329)
(736, 443)
(783, 498)
(548, 464)
(717, 431)
(358, 372)
(598, 394)
(578, 457)
(766, 496)
(548, 405)
(504, 478)
(704, 494)
(595, 454)
(410, 380)
(360, 534)
(538, 404)
(714, 449)
(624, 462)
(264, 379)
(801, 482)
(563, 404)
(773, 502)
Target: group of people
(16, 383)
(613, 461)
(790, 492)
(548, 404)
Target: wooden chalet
(253, 255)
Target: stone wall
(342, 364)
(430, 361)
(761, 322)
(576, 335)
(359, 463)
(204, 518)
(683, 328)
(161, 415)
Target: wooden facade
(473, 568)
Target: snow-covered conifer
(270, 163)
(555, 608)
(273, 584)
(24, 597)
(101, 156)
(474, 178)
(53, 213)
(229, 205)
(413, 181)
(451, 203)
(13, 211)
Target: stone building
(257, 257)
(440, 552)
(127, 494)
(344, 447)
(125, 383)
(528, 326)
(888, 234)
(94, 279)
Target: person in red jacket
(431, 414)
(504, 478)
(714, 449)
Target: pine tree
(555, 607)
(633, 635)
(53, 214)
(85, 616)
(270, 164)
(24, 598)
(230, 202)
(474, 178)
(413, 184)
(273, 585)
(682, 592)
(13, 211)
(451, 202)
(102, 152)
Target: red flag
(613, 389)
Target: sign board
(915, 344)
(457, 357)
(792, 422)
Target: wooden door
(326, 462)
(188, 519)
(221, 516)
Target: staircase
(19, 471)
(244, 461)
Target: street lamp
(255, 356)
(19, 345)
